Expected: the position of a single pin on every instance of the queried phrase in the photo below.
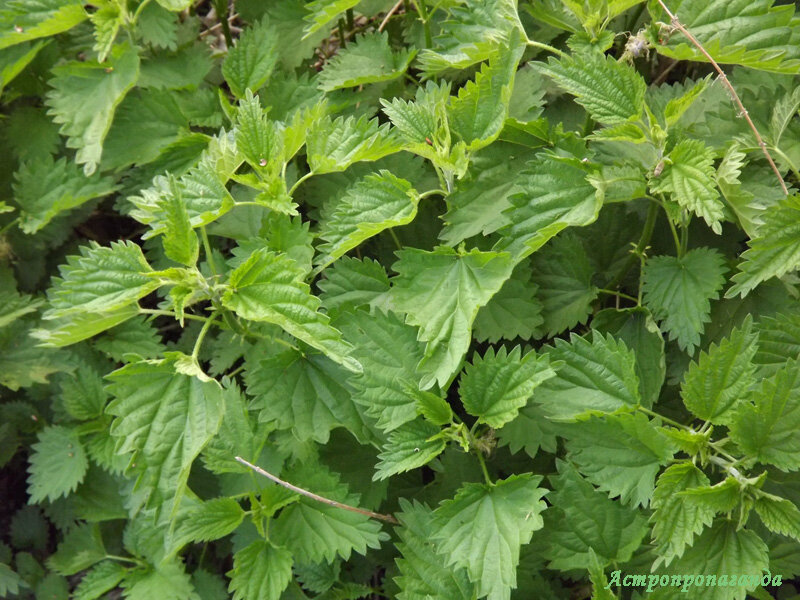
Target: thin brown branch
(313, 496)
(742, 110)
(388, 16)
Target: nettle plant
(500, 298)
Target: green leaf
(107, 20)
(82, 394)
(612, 92)
(304, 393)
(441, 292)
(636, 327)
(754, 34)
(23, 20)
(676, 107)
(100, 279)
(778, 337)
(513, 312)
(785, 110)
(136, 336)
(409, 447)
(689, 178)
(722, 550)
(84, 98)
(597, 376)
(166, 418)
(269, 287)
(584, 520)
(323, 12)
(389, 352)
(620, 454)
(555, 195)
(167, 581)
(180, 241)
(764, 428)
(101, 578)
(13, 62)
(334, 145)
(774, 252)
(81, 548)
(422, 575)
(58, 464)
(369, 59)
(210, 520)
(718, 382)
(260, 570)
(10, 582)
(531, 430)
(494, 387)
(251, 62)
(44, 189)
(256, 136)
(778, 514)
(563, 273)
(314, 531)
(375, 203)
(678, 290)
(483, 528)
(23, 362)
(479, 111)
(352, 283)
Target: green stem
(169, 313)
(548, 48)
(788, 161)
(644, 239)
(199, 341)
(207, 249)
(138, 12)
(222, 14)
(299, 181)
(432, 193)
(125, 559)
(684, 237)
(426, 25)
(342, 35)
(9, 225)
(483, 468)
(620, 294)
(654, 414)
(351, 21)
(396, 241)
(674, 235)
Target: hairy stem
(313, 496)
(647, 234)
(675, 22)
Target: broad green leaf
(612, 92)
(314, 531)
(620, 454)
(167, 581)
(688, 177)
(180, 241)
(23, 362)
(107, 20)
(82, 393)
(718, 381)
(369, 59)
(422, 121)
(79, 326)
(305, 393)
(81, 548)
(251, 62)
(269, 287)
(785, 110)
(101, 578)
(676, 107)
(778, 514)
(389, 352)
(636, 327)
(323, 12)
(409, 447)
(583, 520)
(478, 112)
(23, 20)
(45, 188)
(778, 338)
(531, 430)
(422, 575)
(166, 418)
(678, 291)
(483, 528)
(84, 98)
(755, 34)
(721, 550)
(555, 195)
(377, 202)
(260, 570)
(513, 312)
(334, 145)
(441, 292)
(597, 376)
(676, 519)
(352, 283)
(14, 305)
(494, 387)
(563, 275)
(209, 521)
(774, 252)
(136, 336)
(257, 138)
(13, 62)
(57, 465)
(101, 279)
(764, 427)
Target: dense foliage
(514, 281)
